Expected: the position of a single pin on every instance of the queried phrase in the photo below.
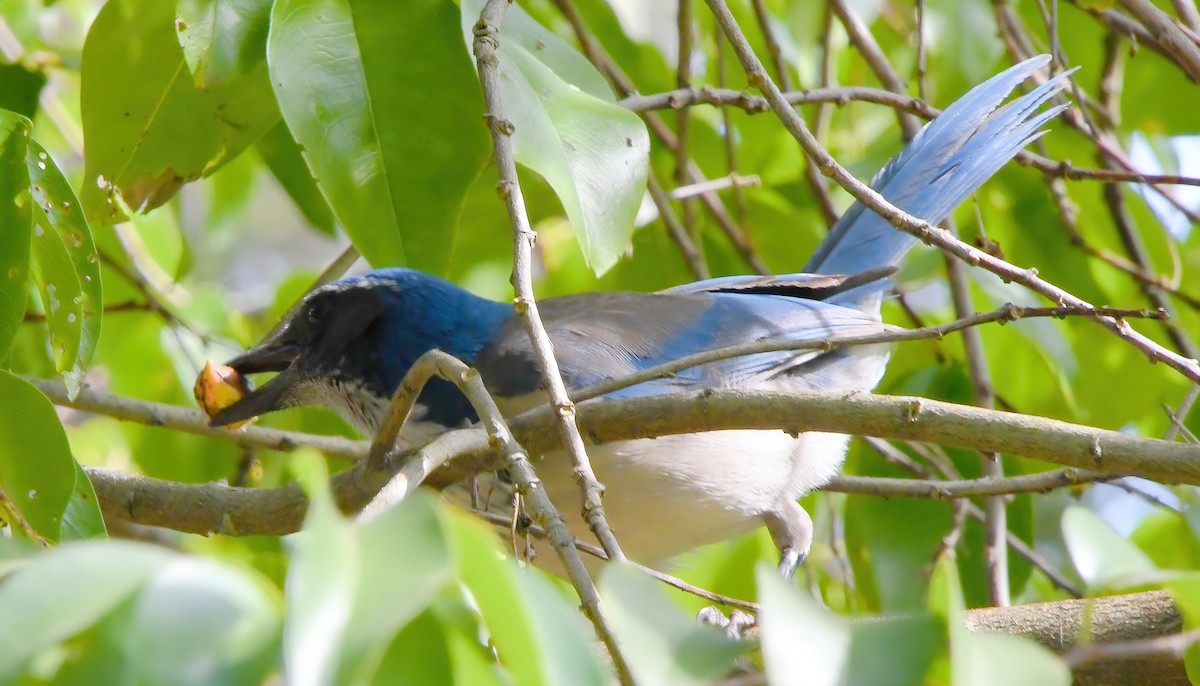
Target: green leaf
(442, 646)
(37, 471)
(662, 644)
(20, 88)
(1104, 558)
(222, 39)
(805, 643)
(798, 638)
(594, 153)
(351, 588)
(199, 622)
(381, 97)
(538, 636)
(51, 598)
(320, 590)
(82, 518)
(67, 269)
(282, 156)
(16, 218)
(983, 659)
(405, 560)
(890, 542)
(147, 128)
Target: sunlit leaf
(16, 216)
(222, 39)
(199, 622)
(37, 471)
(82, 518)
(148, 135)
(382, 99)
(68, 268)
(351, 587)
(804, 643)
(538, 636)
(983, 659)
(593, 152)
(1104, 558)
(662, 644)
(50, 599)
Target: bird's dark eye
(318, 310)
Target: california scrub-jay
(349, 343)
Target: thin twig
(129, 306)
(864, 42)
(1018, 546)
(487, 57)
(678, 233)
(683, 77)
(938, 489)
(739, 198)
(840, 96)
(191, 420)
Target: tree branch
(216, 508)
(1112, 622)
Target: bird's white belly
(665, 496)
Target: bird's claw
(734, 626)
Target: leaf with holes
(15, 218)
(66, 267)
(37, 470)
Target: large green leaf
(538, 636)
(1103, 557)
(382, 99)
(983, 659)
(68, 268)
(136, 613)
(804, 643)
(37, 471)
(222, 39)
(199, 622)
(662, 644)
(62, 592)
(148, 129)
(15, 222)
(351, 588)
(567, 127)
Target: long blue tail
(945, 162)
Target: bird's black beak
(272, 355)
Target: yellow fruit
(217, 387)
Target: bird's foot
(735, 625)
